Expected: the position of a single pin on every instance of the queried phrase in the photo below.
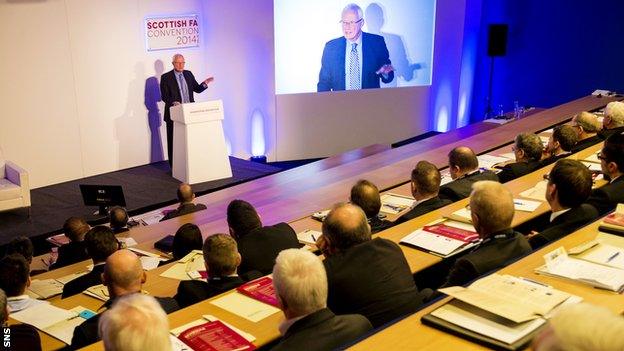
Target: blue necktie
(183, 89)
(354, 69)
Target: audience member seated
(186, 239)
(366, 195)
(75, 229)
(221, 259)
(464, 169)
(425, 186)
(367, 277)
(606, 198)
(257, 245)
(492, 209)
(582, 327)
(123, 275)
(560, 143)
(569, 186)
(301, 287)
(22, 336)
(186, 197)
(613, 122)
(527, 149)
(21, 245)
(101, 243)
(136, 322)
(14, 279)
(118, 220)
(587, 127)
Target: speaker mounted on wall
(497, 40)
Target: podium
(199, 151)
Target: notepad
(193, 261)
(309, 236)
(245, 307)
(526, 205)
(537, 192)
(45, 288)
(58, 322)
(393, 203)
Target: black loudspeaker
(497, 40)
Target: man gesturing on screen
(357, 60)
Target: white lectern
(199, 151)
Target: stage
(145, 188)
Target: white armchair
(14, 187)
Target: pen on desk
(613, 256)
(313, 238)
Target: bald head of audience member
(614, 115)
(528, 147)
(135, 322)
(462, 160)
(221, 255)
(426, 180)
(582, 327)
(562, 140)
(586, 125)
(185, 194)
(75, 228)
(123, 273)
(569, 185)
(491, 207)
(612, 156)
(300, 283)
(366, 195)
(345, 226)
(118, 217)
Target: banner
(172, 32)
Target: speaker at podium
(199, 150)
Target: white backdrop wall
(80, 92)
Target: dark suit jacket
(193, 291)
(424, 207)
(24, 337)
(83, 283)
(374, 55)
(564, 224)
(87, 332)
(460, 188)
(493, 253)
(260, 247)
(518, 169)
(585, 143)
(372, 279)
(606, 198)
(551, 160)
(323, 330)
(170, 92)
(605, 133)
(70, 253)
(377, 224)
(184, 209)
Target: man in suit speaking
(177, 87)
(357, 60)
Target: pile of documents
(443, 238)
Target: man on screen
(357, 60)
(177, 87)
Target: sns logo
(6, 341)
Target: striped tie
(354, 69)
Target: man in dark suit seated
(221, 258)
(492, 210)
(75, 229)
(123, 275)
(425, 186)
(22, 336)
(611, 157)
(186, 197)
(367, 277)
(587, 127)
(301, 287)
(613, 122)
(464, 169)
(560, 143)
(101, 243)
(366, 195)
(257, 245)
(118, 220)
(569, 186)
(528, 151)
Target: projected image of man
(357, 60)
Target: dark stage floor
(145, 188)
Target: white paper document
(245, 307)
(45, 288)
(393, 203)
(461, 215)
(434, 243)
(593, 158)
(538, 192)
(592, 166)
(488, 161)
(526, 205)
(309, 236)
(68, 278)
(605, 254)
(193, 261)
